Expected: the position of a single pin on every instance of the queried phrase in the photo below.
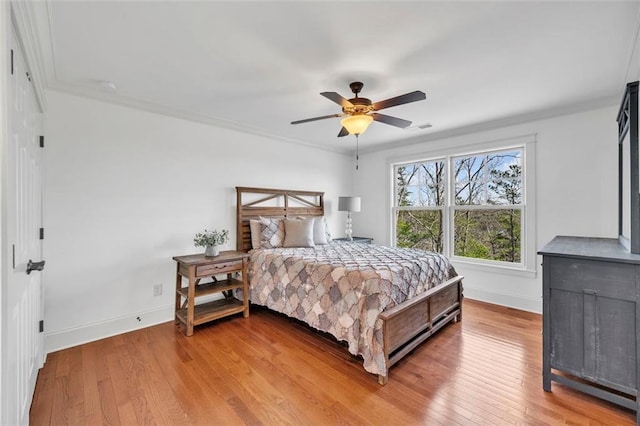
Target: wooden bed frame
(405, 326)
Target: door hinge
(41, 141)
(11, 61)
(41, 326)
(42, 233)
(28, 77)
(14, 256)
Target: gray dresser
(591, 288)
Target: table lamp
(349, 204)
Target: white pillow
(298, 233)
(320, 231)
(327, 231)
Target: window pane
(505, 180)
(489, 179)
(420, 229)
(420, 184)
(488, 234)
(469, 180)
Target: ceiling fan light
(356, 124)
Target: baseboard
(504, 299)
(70, 337)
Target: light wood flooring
(267, 369)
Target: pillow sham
(271, 232)
(298, 233)
(319, 230)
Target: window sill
(494, 269)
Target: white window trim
(527, 268)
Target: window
(469, 207)
(420, 193)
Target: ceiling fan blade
(343, 132)
(335, 97)
(392, 121)
(316, 118)
(399, 100)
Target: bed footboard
(407, 325)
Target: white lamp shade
(356, 124)
(349, 204)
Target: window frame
(526, 144)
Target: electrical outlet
(157, 290)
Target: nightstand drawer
(218, 268)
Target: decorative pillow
(256, 236)
(271, 232)
(298, 232)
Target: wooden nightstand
(363, 240)
(194, 267)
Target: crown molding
(23, 19)
(243, 128)
(497, 124)
(183, 115)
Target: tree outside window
(483, 196)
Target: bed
(382, 301)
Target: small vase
(211, 251)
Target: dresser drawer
(606, 279)
(218, 268)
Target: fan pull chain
(357, 153)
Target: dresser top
(586, 247)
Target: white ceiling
(257, 66)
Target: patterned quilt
(341, 288)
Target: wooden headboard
(255, 202)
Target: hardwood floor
(267, 369)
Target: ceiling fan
(360, 112)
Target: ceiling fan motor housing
(359, 106)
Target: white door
(22, 340)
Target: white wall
(125, 190)
(5, 386)
(576, 182)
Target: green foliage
(477, 250)
(211, 238)
(419, 229)
(488, 234)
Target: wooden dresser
(591, 318)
